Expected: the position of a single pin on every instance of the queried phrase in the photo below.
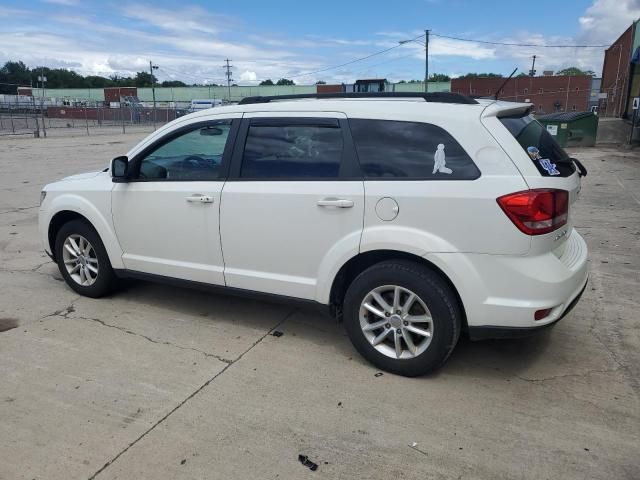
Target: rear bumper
(492, 332)
(503, 292)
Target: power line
(324, 69)
(508, 44)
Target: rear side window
(389, 149)
(292, 151)
(548, 157)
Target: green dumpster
(572, 129)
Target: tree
(173, 83)
(285, 81)
(145, 79)
(94, 81)
(16, 73)
(575, 71)
(439, 77)
(268, 82)
(522, 74)
(481, 75)
(321, 82)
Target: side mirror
(120, 169)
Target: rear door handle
(335, 202)
(197, 197)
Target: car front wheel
(402, 317)
(83, 260)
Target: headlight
(43, 194)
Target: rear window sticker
(534, 153)
(545, 163)
(548, 166)
(439, 161)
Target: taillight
(537, 211)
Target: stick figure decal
(439, 161)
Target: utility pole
(426, 61)
(532, 72)
(153, 67)
(229, 74)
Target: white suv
(413, 217)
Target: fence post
(122, 116)
(86, 120)
(13, 128)
(36, 133)
(44, 129)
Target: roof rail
(437, 97)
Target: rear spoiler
(506, 109)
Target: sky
(307, 41)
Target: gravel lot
(161, 382)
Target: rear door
(293, 205)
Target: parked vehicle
(414, 217)
(197, 105)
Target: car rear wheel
(402, 317)
(83, 260)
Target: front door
(167, 217)
(293, 206)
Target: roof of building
(371, 80)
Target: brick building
(619, 75)
(114, 94)
(548, 94)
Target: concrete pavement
(162, 382)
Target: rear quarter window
(389, 149)
(549, 158)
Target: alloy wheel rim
(80, 260)
(396, 322)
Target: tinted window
(410, 151)
(549, 157)
(195, 155)
(292, 151)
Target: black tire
(436, 294)
(106, 279)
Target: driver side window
(194, 155)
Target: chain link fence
(42, 117)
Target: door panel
(292, 207)
(276, 237)
(164, 232)
(167, 217)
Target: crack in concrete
(19, 209)
(64, 312)
(566, 375)
(598, 320)
(159, 342)
(28, 270)
(193, 394)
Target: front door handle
(197, 197)
(335, 202)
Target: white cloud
(191, 43)
(248, 76)
(605, 20)
(183, 19)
